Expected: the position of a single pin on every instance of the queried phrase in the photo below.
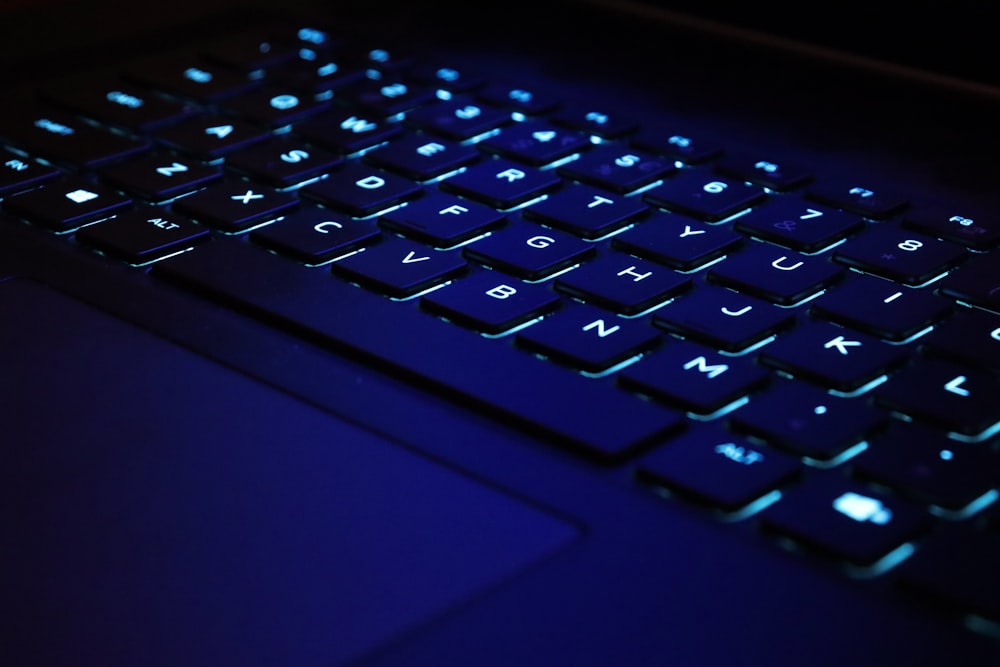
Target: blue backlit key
(779, 276)
(161, 176)
(211, 137)
(535, 143)
(899, 254)
(459, 119)
(422, 158)
(442, 220)
(283, 162)
(314, 235)
(490, 302)
(18, 173)
(186, 75)
(795, 224)
(143, 235)
(360, 190)
(398, 268)
(586, 211)
(718, 468)
(501, 183)
(704, 196)
(588, 339)
(528, 251)
(234, 205)
(687, 148)
(66, 204)
(860, 198)
(677, 241)
(346, 132)
(621, 283)
(617, 168)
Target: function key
(774, 174)
(19, 173)
(67, 204)
(976, 229)
(704, 196)
(858, 198)
(687, 148)
(718, 468)
(845, 520)
(143, 235)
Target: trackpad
(158, 508)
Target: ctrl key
(847, 521)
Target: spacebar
(594, 417)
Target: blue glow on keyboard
(614, 369)
(979, 437)
(845, 455)
(721, 412)
(752, 508)
(974, 507)
(883, 565)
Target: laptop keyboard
(816, 362)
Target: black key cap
(685, 147)
(143, 235)
(274, 107)
(421, 158)
(718, 468)
(970, 337)
(705, 196)
(723, 319)
(588, 339)
(694, 378)
(19, 173)
(808, 421)
(234, 205)
(976, 282)
(501, 183)
(65, 139)
(593, 418)
(518, 98)
(388, 97)
(677, 241)
(318, 71)
(446, 77)
(459, 119)
(793, 223)
(490, 302)
(250, 50)
(211, 137)
(442, 220)
(617, 168)
(958, 569)
(930, 468)
(863, 200)
(361, 190)
(774, 174)
(66, 204)
(597, 122)
(185, 75)
(623, 284)
(160, 177)
(845, 520)
(899, 254)
(833, 357)
(314, 235)
(952, 397)
(585, 211)
(780, 276)
(399, 268)
(881, 308)
(535, 143)
(283, 162)
(345, 133)
(976, 229)
(118, 103)
(528, 251)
